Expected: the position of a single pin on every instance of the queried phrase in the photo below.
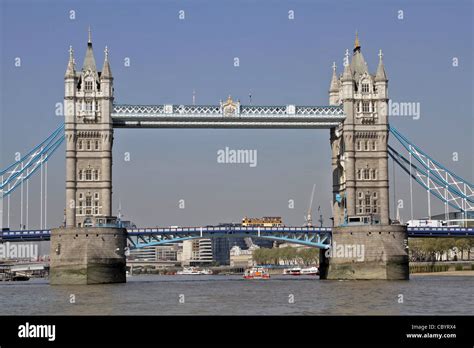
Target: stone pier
(88, 255)
(366, 252)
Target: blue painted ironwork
(319, 237)
(433, 176)
(21, 170)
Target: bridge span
(318, 237)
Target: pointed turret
(347, 74)
(106, 72)
(89, 60)
(334, 88)
(334, 83)
(71, 69)
(358, 64)
(381, 75)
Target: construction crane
(308, 217)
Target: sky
(282, 61)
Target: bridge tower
(359, 144)
(89, 137)
(81, 253)
(360, 178)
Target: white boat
(296, 271)
(194, 271)
(292, 271)
(310, 271)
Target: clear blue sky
(281, 61)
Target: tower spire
(334, 84)
(89, 61)
(381, 75)
(106, 72)
(347, 74)
(70, 71)
(89, 40)
(356, 42)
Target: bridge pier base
(88, 255)
(366, 252)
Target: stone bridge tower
(89, 137)
(359, 145)
(82, 253)
(360, 179)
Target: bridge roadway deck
(413, 232)
(215, 116)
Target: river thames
(232, 295)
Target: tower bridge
(357, 120)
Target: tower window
(358, 145)
(88, 175)
(89, 106)
(366, 174)
(88, 146)
(88, 85)
(359, 176)
(374, 145)
(366, 145)
(365, 106)
(96, 175)
(365, 88)
(79, 146)
(97, 144)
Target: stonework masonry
(88, 255)
(385, 254)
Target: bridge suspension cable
(440, 182)
(19, 172)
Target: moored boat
(310, 271)
(292, 271)
(194, 271)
